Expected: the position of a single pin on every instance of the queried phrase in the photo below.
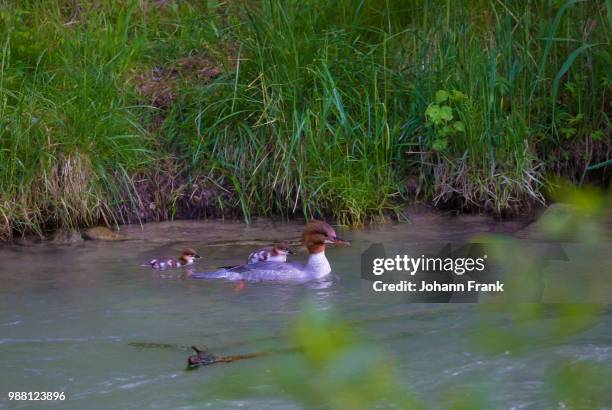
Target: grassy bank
(119, 111)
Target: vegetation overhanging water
(143, 110)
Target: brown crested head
(190, 253)
(281, 249)
(317, 234)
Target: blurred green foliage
(333, 368)
(581, 385)
(531, 320)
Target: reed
(344, 109)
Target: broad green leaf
(441, 96)
(458, 96)
(446, 113)
(445, 131)
(440, 144)
(433, 112)
(458, 125)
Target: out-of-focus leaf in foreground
(331, 367)
(581, 385)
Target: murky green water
(70, 315)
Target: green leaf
(568, 132)
(597, 135)
(441, 96)
(445, 131)
(609, 7)
(503, 85)
(564, 68)
(458, 125)
(575, 120)
(549, 40)
(433, 112)
(446, 113)
(600, 165)
(458, 96)
(571, 87)
(440, 144)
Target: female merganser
(187, 258)
(316, 235)
(275, 253)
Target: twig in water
(204, 358)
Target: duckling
(188, 256)
(275, 253)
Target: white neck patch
(318, 265)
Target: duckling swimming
(187, 257)
(275, 253)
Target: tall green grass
(308, 122)
(69, 139)
(349, 83)
(343, 109)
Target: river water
(86, 319)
